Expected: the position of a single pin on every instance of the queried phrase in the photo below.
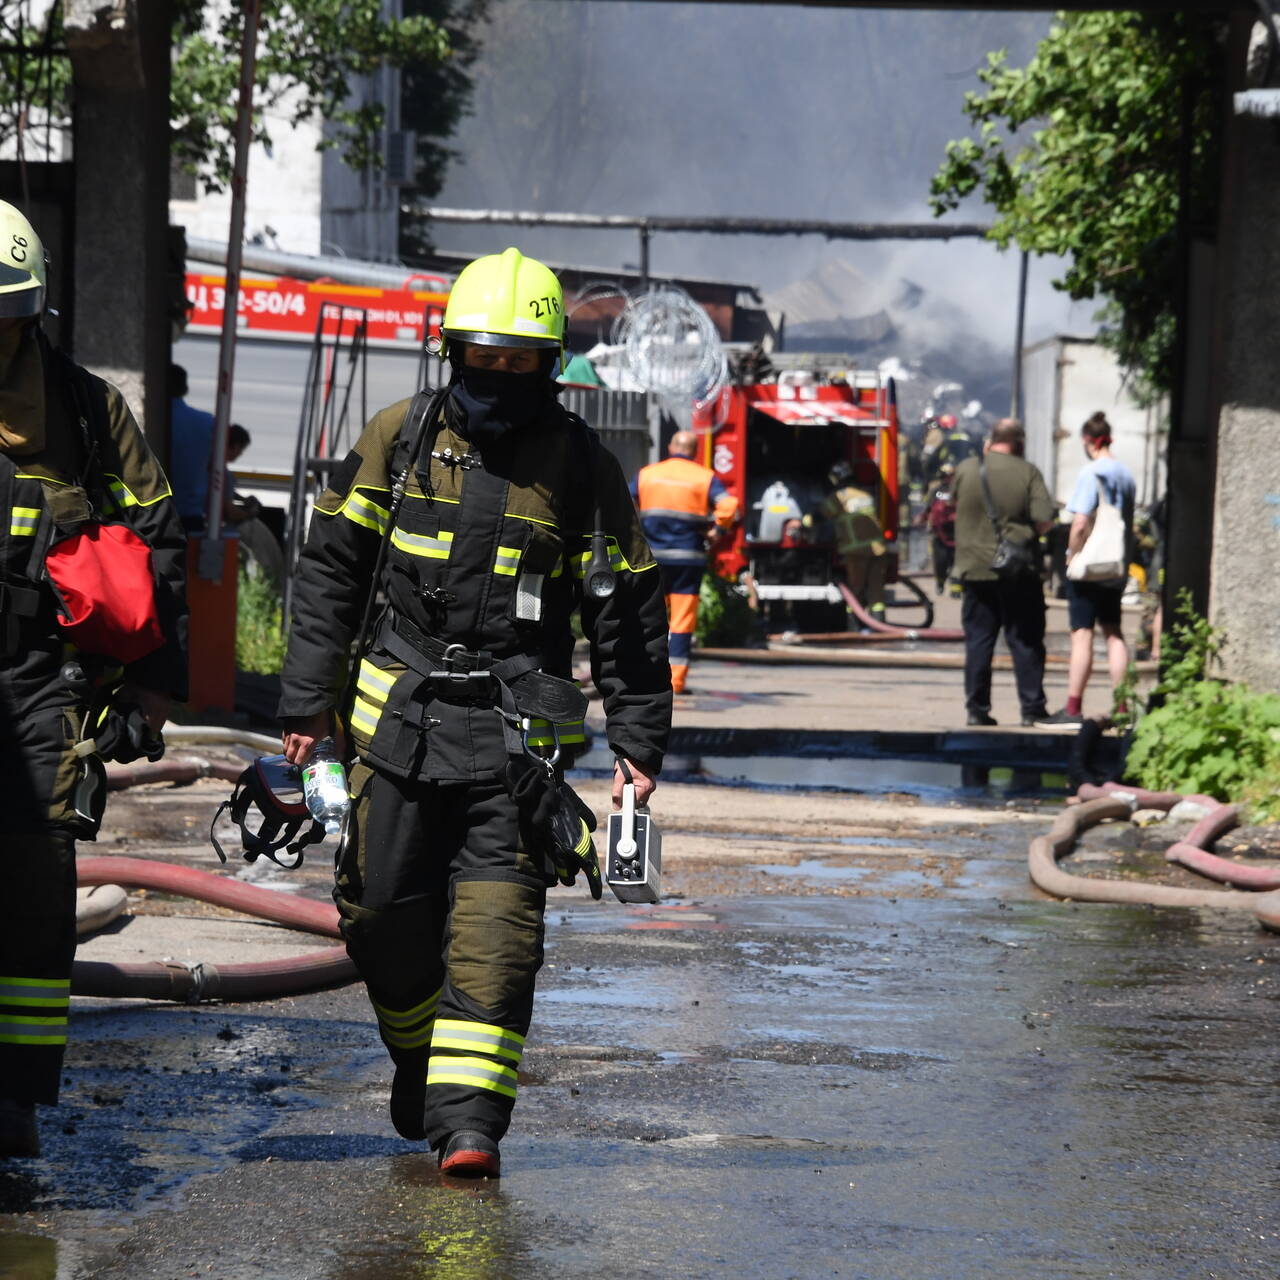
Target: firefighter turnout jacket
(488, 556)
(52, 414)
(679, 500)
(440, 885)
(852, 512)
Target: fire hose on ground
(1113, 800)
(897, 633)
(194, 981)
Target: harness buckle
(472, 681)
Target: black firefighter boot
(19, 1137)
(409, 1093)
(470, 1154)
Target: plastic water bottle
(324, 785)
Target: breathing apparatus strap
(422, 415)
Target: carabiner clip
(547, 762)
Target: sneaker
(19, 1137)
(1030, 721)
(468, 1154)
(409, 1100)
(982, 718)
(1060, 719)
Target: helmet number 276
(544, 306)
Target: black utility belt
(460, 674)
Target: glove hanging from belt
(559, 822)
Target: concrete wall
(283, 192)
(1065, 381)
(1244, 595)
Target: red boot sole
(471, 1164)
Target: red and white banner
(292, 308)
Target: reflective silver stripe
(567, 732)
(377, 684)
(364, 511)
(507, 561)
(364, 716)
(36, 991)
(676, 556)
(529, 597)
(30, 1029)
(474, 1072)
(120, 492)
(23, 521)
(689, 517)
(417, 544)
(406, 1017)
(451, 1033)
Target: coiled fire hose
(194, 981)
(898, 633)
(1114, 800)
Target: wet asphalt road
(772, 1087)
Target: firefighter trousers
(442, 913)
(37, 859)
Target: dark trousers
(37, 857)
(1016, 606)
(944, 557)
(442, 913)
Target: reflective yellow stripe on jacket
(23, 521)
(372, 688)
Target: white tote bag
(1102, 558)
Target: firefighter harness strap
(459, 673)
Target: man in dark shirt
(1015, 602)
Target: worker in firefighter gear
(680, 503)
(860, 541)
(76, 476)
(492, 512)
(955, 446)
(939, 517)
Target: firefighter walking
(680, 501)
(72, 460)
(859, 538)
(488, 508)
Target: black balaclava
(488, 403)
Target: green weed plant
(260, 637)
(1206, 736)
(725, 616)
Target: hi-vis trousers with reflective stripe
(37, 869)
(442, 913)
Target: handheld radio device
(633, 863)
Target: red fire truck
(772, 444)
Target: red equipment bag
(105, 584)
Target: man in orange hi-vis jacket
(679, 501)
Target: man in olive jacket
(1023, 510)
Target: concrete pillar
(120, 64)
(1244, 597)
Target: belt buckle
(450, 674)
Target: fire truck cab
(772, 444)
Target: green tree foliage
(308, 53)
(35, 84)
(437, 94)
(1080, 154)
(1206, 737)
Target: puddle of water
(926, 778)
(815, 869)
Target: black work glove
(560, 825)
(125, 735)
